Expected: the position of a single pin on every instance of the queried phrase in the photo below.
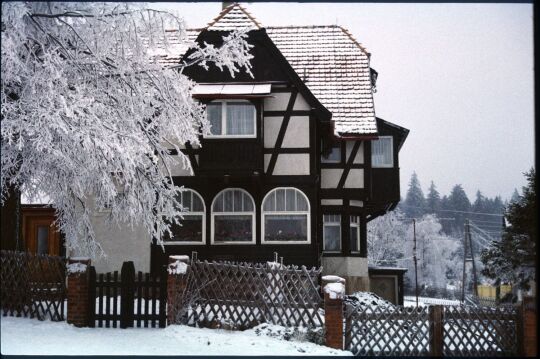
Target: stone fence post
(176, 286)
(334, 290)
(77, 291)
(530, 339)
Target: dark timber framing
(281, 134)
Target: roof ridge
(346, 32)
(298, 26)
(227, 10)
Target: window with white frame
(231, 118)
(354, 233)
(191, 229)
(233, 217)
(382, 152)
(285, 216)
(332, 233)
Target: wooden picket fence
(432, 331)
(32, 285)
(127, 299)
(243, 295)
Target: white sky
(459, 76)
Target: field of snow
(59, 338)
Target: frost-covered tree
(513, 258)
(89, 116)
(386, 236)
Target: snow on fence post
(436, 339)
(77, 291)
(176, 285)
(334, 291)
(529, 347)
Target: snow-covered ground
(25, 336)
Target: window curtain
(381, 152)
(240, 118)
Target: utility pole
(415, 262)
(464, 268)
(475, 278)
(467, 242)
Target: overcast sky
(459, 76)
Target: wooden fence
(244, 295)
(432, 331)
(127, 299)
(32, 285)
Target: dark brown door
(40, 233)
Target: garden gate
(127, 299)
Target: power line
(456, 211)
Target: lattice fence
(32, 285)
(243, 295)
(381, 331)
(410, 331)
(480, 331)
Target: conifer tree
(415, 202)
(433, 200)
(513, 258)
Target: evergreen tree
(459, 202)
(515, 196)
(513, 258)
(479, 204)
(415, 203)
(433, 200)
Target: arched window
(233, 217)
(285, 213)
(191, 229)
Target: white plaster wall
(356, 203)
(297, 134)
(280, 100)
(359, 159)
(289, 164)
(121, 243)
(355, 178)
(345, 266)
(330, 177)
(331, 202)
(271, 129)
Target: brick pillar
(77, 291)
(530, 341)
(176, 285)
(333, 312)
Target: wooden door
(39, 232)
(385, 287)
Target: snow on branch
(89, 117)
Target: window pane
(213, 111)
(237, 228)
(197, 204)
(381, 152)
(280, 200)
(248, 203)
(290, 200)
(285, 227)
(354, 239)
(301, 202)
(189, 230)
(332, 238)
(228, 201)
(270, 202)
(240, 118)
(334, 156)
(42, 240)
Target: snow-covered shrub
(297, 334)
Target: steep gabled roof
(333, 65)
(233, 17)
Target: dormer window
(231, 118)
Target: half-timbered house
(296, 162)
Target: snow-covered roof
(333, 65)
